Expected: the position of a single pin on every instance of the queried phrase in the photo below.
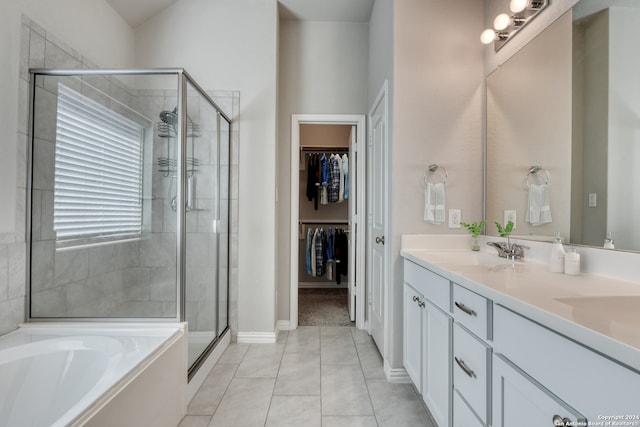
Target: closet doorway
(320, 212)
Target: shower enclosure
(129, 211)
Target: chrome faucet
(501, 247)
(509, 251)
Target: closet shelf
(326, 221)
(317, 148)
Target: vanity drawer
(589, 382)
(434, 287)
(472, 370)
(463, 416)
(472, 310)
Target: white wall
(437, 105)
(381, 50)
(323, 70)
(232, 45)
(82, 25)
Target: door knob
(558, 421)
(380, 240)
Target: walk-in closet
(324, 228)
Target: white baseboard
(257, 337)
(283, 325)
(396, 375)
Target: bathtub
(93, 374)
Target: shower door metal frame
(183, 77)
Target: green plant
(474, 228)
(506, 230)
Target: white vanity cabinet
(471, 373)
(519, 400)
(427, 338)
(479, 360)
(573, 376)
(471, 354)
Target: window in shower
(98, 172)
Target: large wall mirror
(563, 130)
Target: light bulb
(501, 22)
(487, 36)
(518, 6)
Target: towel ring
(431, 170)
(533, 170)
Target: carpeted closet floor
(323, 307)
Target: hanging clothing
(324, 179)
(334, 178)
(331, 263)
(331, 234)
(313, 178)
(341, 251)
(341, 191)
(307, 257)
(345, 171)
(313, 253)
(320, 253)
(324, 170)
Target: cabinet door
(519, 400)
(437, 378)
(412, 335)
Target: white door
(353, 222)
(376, 219)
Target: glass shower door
(202, 223)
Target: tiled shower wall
(131, 279)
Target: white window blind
(98, 171)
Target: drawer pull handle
(465, 368)
(465, 309)
(558, 421)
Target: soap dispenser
(608, 242)
(556, 261)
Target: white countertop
(599, 312)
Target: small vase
(476, 246)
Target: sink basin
(622, 309)
(465, 258)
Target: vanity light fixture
(506, 26)
(518, 6)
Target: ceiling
(326, 10)
(135, 12)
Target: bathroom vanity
(492, 342)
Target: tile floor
(314, 376)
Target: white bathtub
(93, 374)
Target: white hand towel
(434, 203)
(538, 211)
